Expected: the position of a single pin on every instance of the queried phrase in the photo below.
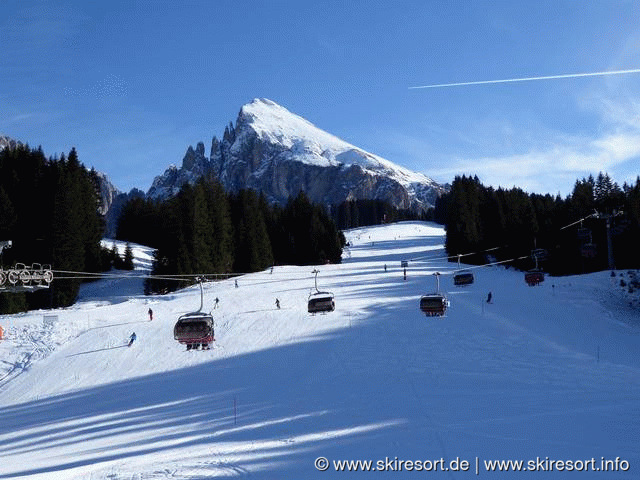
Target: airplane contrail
(529, 79)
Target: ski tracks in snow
(25, 345)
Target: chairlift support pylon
(591, 248)
(195, 329)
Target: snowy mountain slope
(304, 142)
(8, 142)
(279, 153)
(550, 371)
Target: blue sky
(131, 84)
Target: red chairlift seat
(194, 329)
(533, 278)
(434, 305)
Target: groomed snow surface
(549, 372)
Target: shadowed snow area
(549, 371)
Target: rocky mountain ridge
(278, 153)
(8, 142)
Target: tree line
(204, 229)
(49, 210)
(478, 218)
(365, 212)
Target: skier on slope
(278, 303)
(489, 297)
(150, 314)
(132, 339)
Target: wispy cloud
(30, 118)
(535, 157)
(547, 160)
(621, 114)
(555, 169)
(112, 86)
(39, 26)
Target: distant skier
(150, 314)
(489, 297)
(405, 273)
(217, 302)
(278, 303)
(385, 267)
(132, 339)
(236, 283)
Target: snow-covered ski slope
(543, 373)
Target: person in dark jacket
(132, 339)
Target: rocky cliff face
(278, 153)
(194, 165)
(111, 202)
(107, 193)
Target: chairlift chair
(534, 278)
(37, 273)
(18, 273)
(195, 329)
(434, 304)
(584, 234)
(320, 301)
(589, 250)
(463, 277)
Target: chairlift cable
(428, 258)
(452, 272)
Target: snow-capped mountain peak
(279, 153)
(275, 124)
(7, 142)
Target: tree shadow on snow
(262, 406)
